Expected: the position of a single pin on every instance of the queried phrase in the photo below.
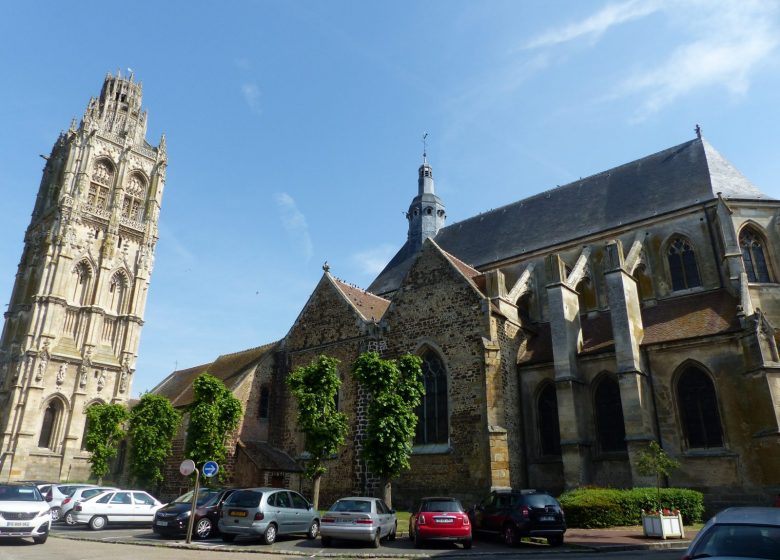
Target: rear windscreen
(244, 499)
(353, 506)
(449, 506)
(535, 500)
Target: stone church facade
(560, 335)
(73, 324)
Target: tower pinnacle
(426, 213)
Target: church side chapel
(559, 335)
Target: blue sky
(294, 127)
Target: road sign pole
(192, 507)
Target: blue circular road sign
(210, 468)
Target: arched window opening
(135, 196)
(50, 417)
(84, 435)
(432, 414)
(699, 409)
(753, 256)
(263, 406)
(682, 265)
(117, 291)
(100, 186)
(609, 416)
(82, 276)
(549, 429)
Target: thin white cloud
(597, 24)
(731, 39)
(251, 95)
(372, 261)
(294, 222)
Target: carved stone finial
(698, 131)
(326, 266)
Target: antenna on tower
(425, 146)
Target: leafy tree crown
(104, 432)
(153, 425)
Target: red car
(440, 519)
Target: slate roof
(370, 306)
(267, 458)
(691, 316)
(675, 178)
(177, 387)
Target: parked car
(359, 519)
(440, 519)
(80, 494)
(23, 513)
(56, 493)
(116, 506)
(267, 512)
(172, 520)
(739, 532)
(520, 513)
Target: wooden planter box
(660, 525)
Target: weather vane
(425, 145)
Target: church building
(73, 324)
(559, 334)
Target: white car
(117, 506)
(23, 513)
(81, 494)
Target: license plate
(237, 513)
(445, 520)
(18, 523)
(162, 523)
(547, 518)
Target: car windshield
(741, 541)
(450, 506)
(19, 494)
(353, 506)
(244, 499)
(204, 495)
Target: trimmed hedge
(592, 508)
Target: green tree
(214, 414)
(396, 391)
(315, 387)
(153, 425)
(655, 462)
(105, 429)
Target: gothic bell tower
(74, 321)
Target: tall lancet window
(48, 427)
(433, 414)
(699, 409)
(549, 429)
(610, 427)
(753, 256)
(682, 265)
(117, 292)
(82, 276)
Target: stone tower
(426, 213)
(74, 321)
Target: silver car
(359, 519)
(739, 532)
(267, 512)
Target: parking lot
(297, 546)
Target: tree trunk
(100, 481)
(388, 496)
(316, 492)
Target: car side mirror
(392, 511)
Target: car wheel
(269, 536)
(55, 513)
(228, 537)
(377, 538)
(40, 539)
(555, 541)
(326, 541)
(418, 541)
(69, 519)
(97, 523)
(510, 536)
(203, 528)
(467, 544)
(391, 536)
(314, 530)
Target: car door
(302, 516)
(143, 507)
(281, 507)
(386, 518)
(119, 508)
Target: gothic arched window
(82, 275)
(609, 416)
(135, 196)
(100, 186)
(117, 293)
(753, 256)
(699, 409)
(682, 265)
(263, 405)
(549, 430)
(433, 423)
(50, 418)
